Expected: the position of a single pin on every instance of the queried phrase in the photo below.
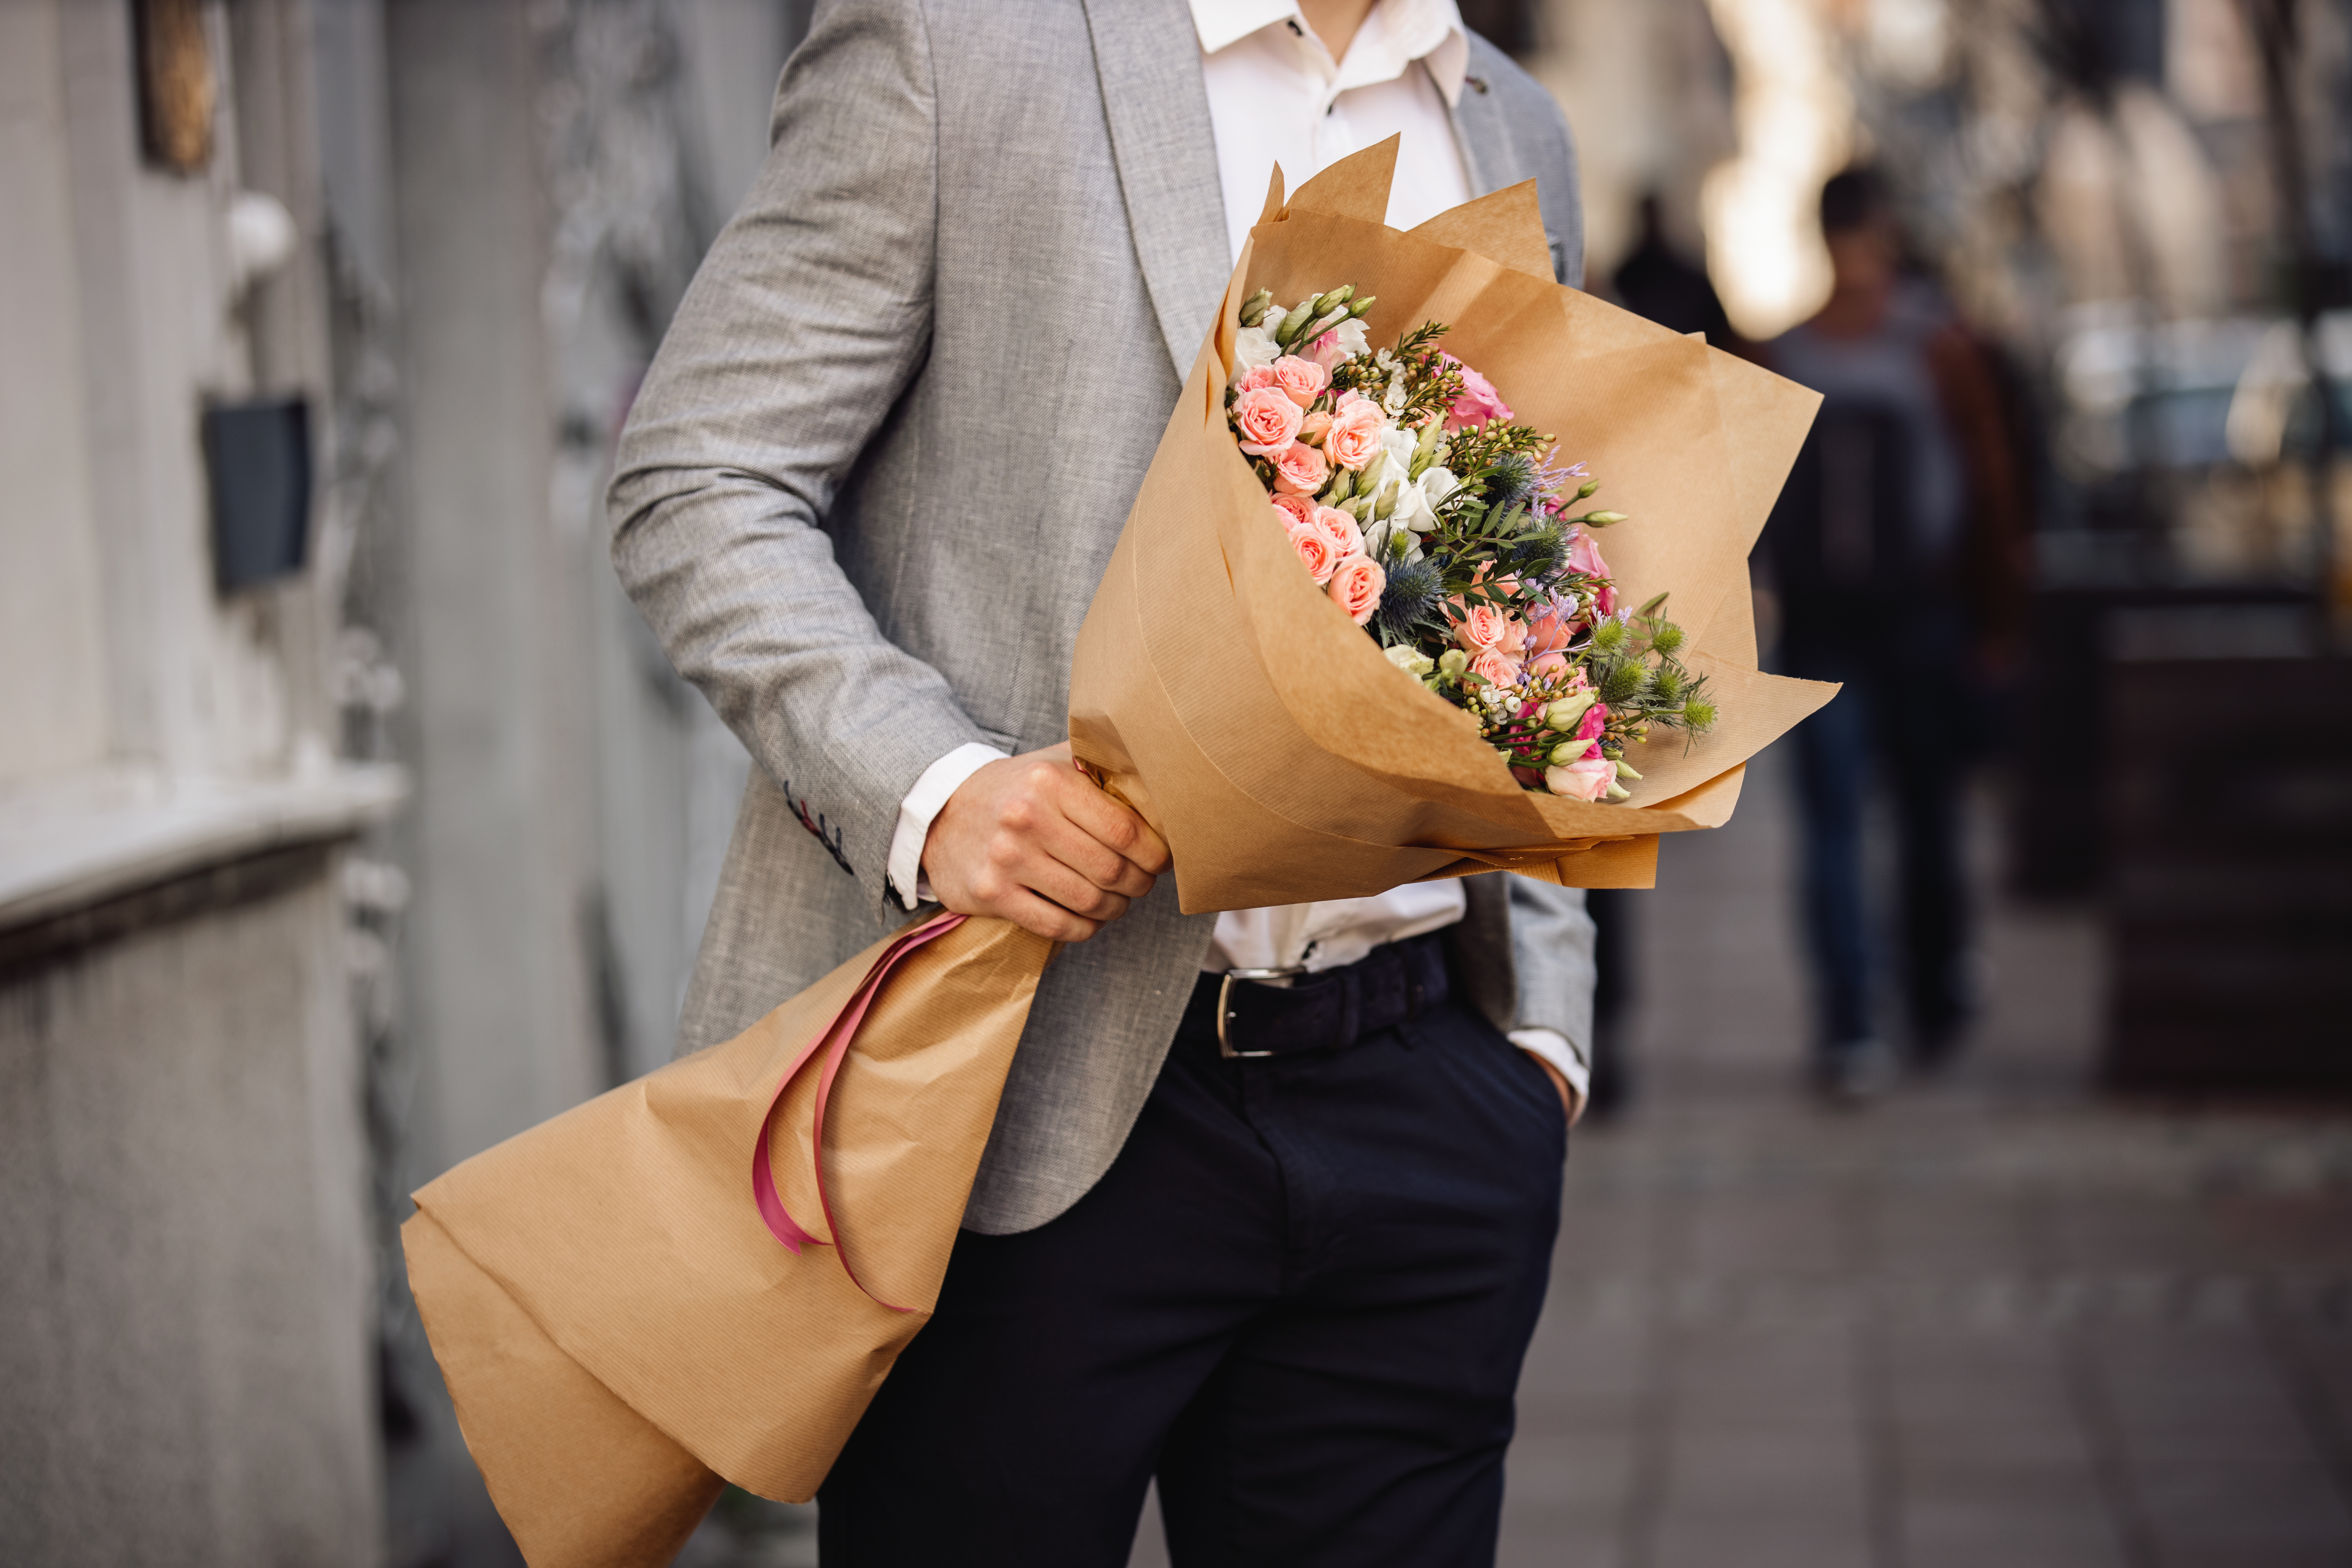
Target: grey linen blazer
(875, 472)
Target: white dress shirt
(1277, 96)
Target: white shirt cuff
(1551, 1045)
(923, 802)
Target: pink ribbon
(832, 1043)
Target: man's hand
(1567, 1097)
(1034, 840)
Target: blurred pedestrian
(1658, 281)
(1893, 554)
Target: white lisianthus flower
(1255, 346)
(1417, 504)
(1351, 336)
(1411, 659)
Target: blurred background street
(1972, 1183)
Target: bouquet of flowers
(1443, 528)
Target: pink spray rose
(1300, 469)
(1357, 427)
(1302, 379)
(1586, 780)
(1315, 426)
(1295, 510)
(1346, 538)
(1356, 584)
(1267, 420)
(1480, 402)
(1497, 666)
(1257, 376)
(1481, 627)
(1315, 551)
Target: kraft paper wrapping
(1316, 769)
(618, 1327)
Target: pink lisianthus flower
(1596, 718)
(1299, 469)
(1338, 527)
(1267, 420)
(1480, 402)
(1357, 427)
(1587, 780)
(1356, 586)
(1257, 376)
(1294, 510)
(1301, 379)
(1316, 551)
(1584, 558)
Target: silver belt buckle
(1224, 1000)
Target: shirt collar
(1429, 31)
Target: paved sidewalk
(1991, 1321)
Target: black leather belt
(1395, 981)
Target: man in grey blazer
(1283, 1244)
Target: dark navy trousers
(1300, 1297)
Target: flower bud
(1254, 307)
(1584, 492)
(1618, 792)
(1567, 712)
(1288, 334)
(1602, 518)
(1453, 661)
(1335, 298)
(1623, 772)
(1383, 507)
(1568, 752)
(1356, 308)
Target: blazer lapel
(1148, 58)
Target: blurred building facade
(316, 882)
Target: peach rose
(1295, 510)
(1549, 666)
(1342, 530)
(1314, 551)
(1549, 628)
(1300, 469)
(1356, 586)
(1315, 426)
(1267, 420)
(1481, 627)
(1303, 379)
(1496, 665)
(1257, 376)
(1357, 427)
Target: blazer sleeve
(1551, 954)
(804, 324)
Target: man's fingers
(1045, 918)
(1071, 845)
(1113, 825)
